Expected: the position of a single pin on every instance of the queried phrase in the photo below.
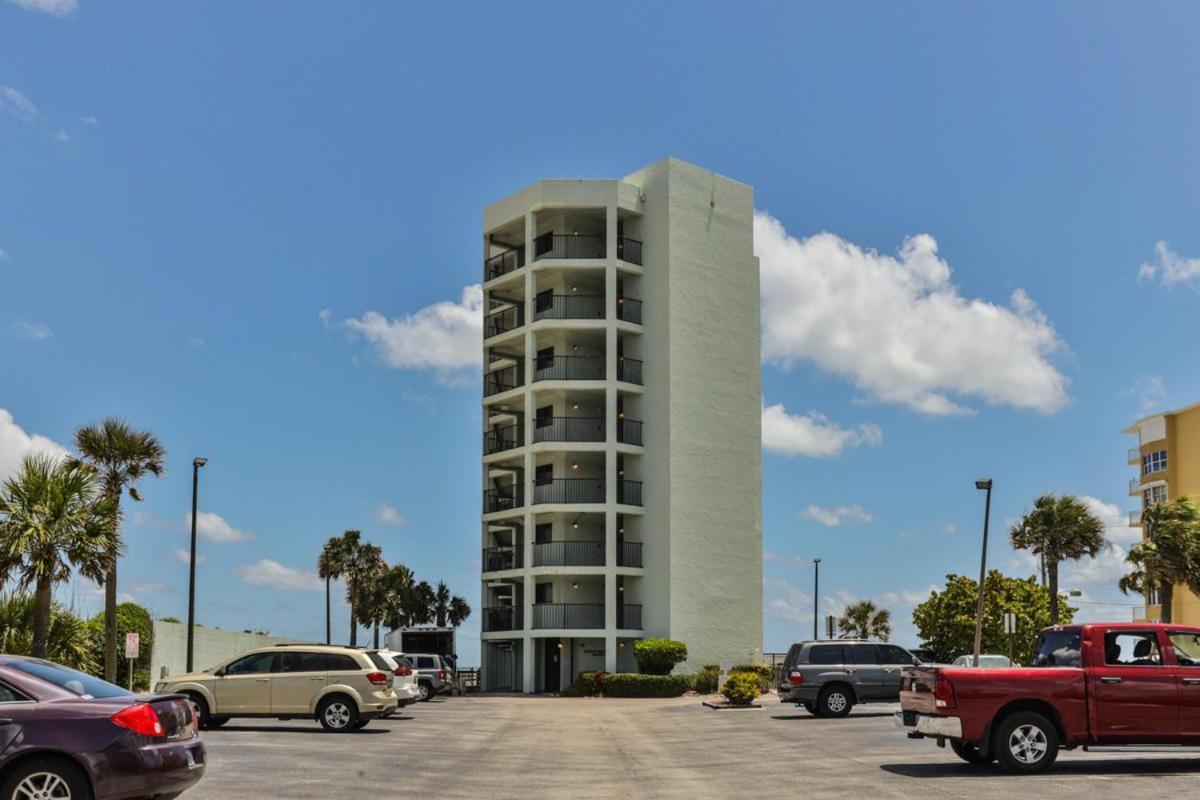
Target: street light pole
(816, 596)
(328, 636)
(984, 484)
(191, 628)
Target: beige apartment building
(1168, 461)
(622, 406)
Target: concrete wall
(212, 647)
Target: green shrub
(706, 682)
(69, 641)
(624, 684)
(658, 656)
(130, 618)
(741, 688)
(583, 686)
(711, 667)
(762, 673)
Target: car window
(402, 661)
(863, 654)
(793, 656)
(301, 662)
(11, 695)
(425, 662)
(825, 654)
(1132, 649)
(253, 664)
(73, 681)
(891, 654)
(994, 662)
(379, 660)
(339, 662)
(1058, 649)
(1187, 648)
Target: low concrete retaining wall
(212, 646)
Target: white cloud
(56, 8)
(3, 254)
(324, 315)
(387, 515)
(769, 556)
(1150, 391)
(274, 575)
(214, 528)
(1116, 522)
(812, 434)
(898, 328)
(949, 528)
(1171, 268)
(785, 600)
(33, 331)
(61, 135)
(15, 444)
(446, 337)
(90, 120)
(149, 587)
(835, 516)
(17, 105)
(185, 556)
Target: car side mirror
(219, 673)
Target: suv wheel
(1026, 742)
(834, 701)
(810, 707)
(968, 752)
(424, 691)
(337, 713)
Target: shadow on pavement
(1123, 766)
(292, 729)
(804, 715)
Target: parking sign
(132, 642)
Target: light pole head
(199, 462)
(985, 483)
(816, 561)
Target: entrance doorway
(551, 666)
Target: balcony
(1134, 456)
(503, 263)
(629, 310)
(629, 617)
(503, 321)
(629, 431)
(504, 499)
(629, 554)
(569, 429)
(561, 616)
(629, 492)
(629, 370)
(569, 490)
(502, 618)
(497, 559)
(569, 306)
(569, 368)
(503, 380)
(497, 440)
(629, 250)
(1135, 519)
(569, 553)
(1135, 485)
(553, 245)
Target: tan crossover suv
(342, 688)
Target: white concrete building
(621, 410)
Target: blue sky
(185, 188)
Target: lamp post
(197, 463)
(816, 596)
(983, 485)
(328, 637)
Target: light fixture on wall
(574, 288)
(620, 644)
(560, 645)
(620, 415)
(574, 406)
(575, 348)
(575, 523)
(620, 588)
(575, 466)
(575, 585)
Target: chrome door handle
(849, 672)
(1192, 681)
(1111, 680)
(262, 680)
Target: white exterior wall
(212, 647)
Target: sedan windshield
(74, 681)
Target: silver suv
(830, 677)
(433, 676)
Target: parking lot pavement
(533, 747)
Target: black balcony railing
(629, 370)
(502, 618)
(576, 245)
(570, 553)
(629, 617)
(569, 306)
(503, 263)
(629, 431)
(629, 310)
(569, 429)
(502, 380)
(629, 492)
(558, 616)
(503, 321)
(629, 554)
(569, 490)
(503, 499)
(629, 250)
(497, 440)
(569, 368)
(496, 559)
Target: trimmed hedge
(658, 656)
(624, 684)
(741, 688)
(761, 673)
(706, 682)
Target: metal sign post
(132, 645)
(830, 621)
(1010, 626)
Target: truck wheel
(811, 707)
(968, 752)
(834, 701)
(424, 692)
(1026, 742)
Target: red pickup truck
(1089, 685)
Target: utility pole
(816, 596)
(197, 463)
(984, 484)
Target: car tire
(216, 722)
(834, 701)
(968, 752)
(424, 692)
(811, 708)
(203, 717)
(337, 713)
(59, 777)
(1026, 742)
(359, 724)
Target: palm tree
(396, 585)
(865, 620)
(363, 564)
(330, 566)
(1168, 556)
(122, 456)
(441, 603)
(459, 611)
(1058, 529)
(418, 605)
(68, 640)
(53, 516)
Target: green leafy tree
(131, 618)
(865, 620)
(53, 517)
(395, 585)
(1058, 528)
(122, 456)
(459, 611)
(372, 602)
(68, 640)
(1168, 556)
(946, 621)
(658, 656)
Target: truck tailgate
(916, 689)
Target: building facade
(1168, 462)
(622, 475)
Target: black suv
(829, 677)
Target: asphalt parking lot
(532, 747)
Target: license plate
(191, 758)
(910, 719)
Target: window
(1187, 648)
(301, 662)
(1154, 462)
(825, 654)
(336, 662)
(863, 654)
(11, 695)
(379, 661)
(1057, 649)
(1131, 649)
(891, 654)
(426, 662)
(1153, 495)
(73, 681)
(253, 664)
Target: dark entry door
(551, 667)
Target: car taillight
(796, 678)
(403, 671)
(943, 692)
(140, 718)
(378, 678)
(441, 674)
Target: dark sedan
(65, 735)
